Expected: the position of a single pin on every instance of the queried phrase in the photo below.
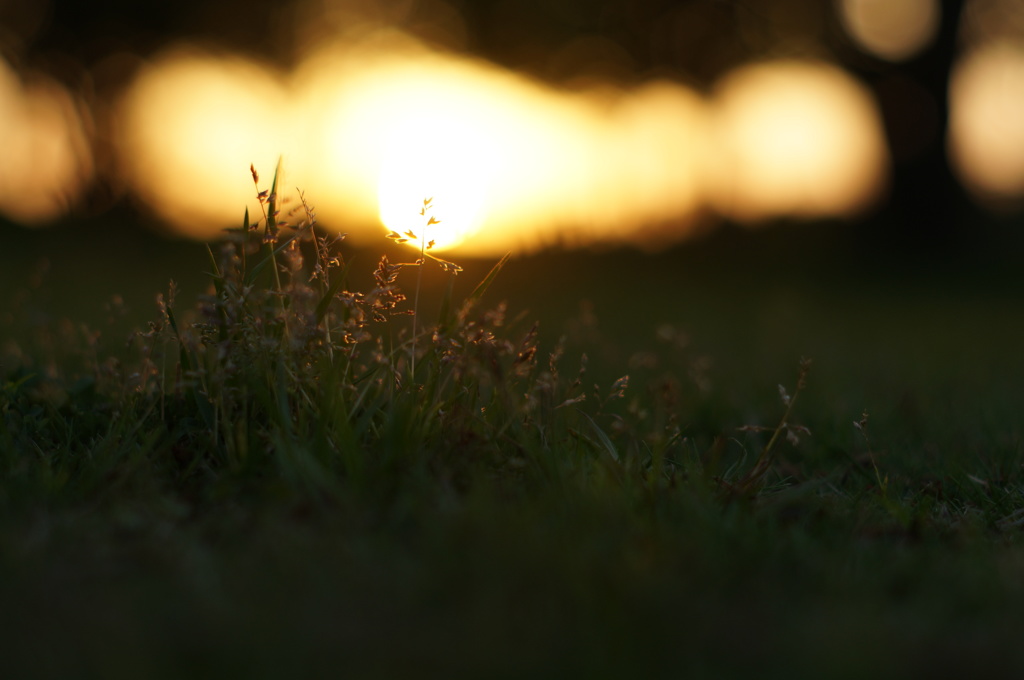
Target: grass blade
(602, 437)
(325, 301)
(446, 317)
(270, 258)
(482, 287)
(202, 401)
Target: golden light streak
(509, 162)
(796, 138)
(986, 122)
(370, 128)
(47, 162)
(891, 29)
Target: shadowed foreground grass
(266, 483)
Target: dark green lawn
(575, 574)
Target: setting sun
(441, 151)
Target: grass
(262, 483)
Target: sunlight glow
(369, 127)
(441, 158)
(509, 162)
(986, 122)
(891, 29)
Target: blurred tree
(926, 208)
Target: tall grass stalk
(425, 248)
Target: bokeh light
(47, 157)
(985, 21)
(370, 128)
(369, 121)
(796, 138)
(190, 126)
(891, 29)
(986, 123)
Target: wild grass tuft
(284, 376)
(326, 470)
